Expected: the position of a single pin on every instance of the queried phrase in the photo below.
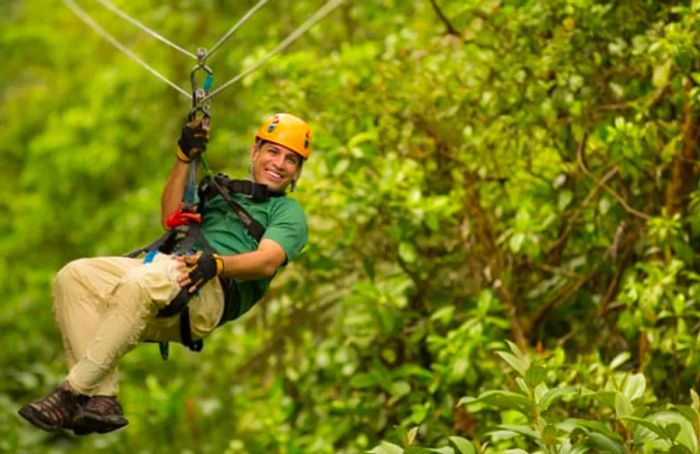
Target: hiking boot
(99, 414)
(56, 410)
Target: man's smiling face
(274, 165)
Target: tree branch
(599, 182)
(683, 170)
(572, 219)
(451, 30)
(563, 295)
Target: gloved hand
(193, 140)
(202, 268)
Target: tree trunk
(683, 170)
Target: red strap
(180, 217)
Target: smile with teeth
(274, 175)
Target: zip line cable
(102, 32)
(110, 6)
(303, 28)
(233, 29)
(298, 32)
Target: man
(105, 305)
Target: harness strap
(256, 229)
(256, 191)
(164, 347)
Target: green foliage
(502, 200)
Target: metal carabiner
(200, 92)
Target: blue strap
(150, 256)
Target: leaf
(661, 74)
(463, 445)
(553, 395)
(589, 426)
(521, 430)
(516, 242)
(673, 430)
(386, 448)
(362, 380)
(606, 398)
(535, 375)
(679, 449)
(620, 360)
(623, 406)
(444, 314)
(602, 444)
(659, 430)
(549, 435)
(501, 399)
(406, 437)
(418, 413)
(523, 386)
(407, 252)
(687, 412)
(684, 434)
(421, 450)
(634, 387)
(519, 364)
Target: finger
(196, 285)
(189, 260)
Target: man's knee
(72, 273)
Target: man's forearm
(259, 264)
(173, 191)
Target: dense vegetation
(503, 209)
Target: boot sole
(28, 413)
(86, 423)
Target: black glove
(193, 141)
(206, 268)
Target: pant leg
(81, 292)
(130, 316)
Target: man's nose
(278, 161)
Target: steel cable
(85, 17)
(299, 31)
(110, 6)
(303, 28)
(233, 29)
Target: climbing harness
(185, 237)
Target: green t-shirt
(284, 222)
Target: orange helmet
(287, 130)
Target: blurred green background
(482, 171)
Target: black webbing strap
(256, 191)
(256, 229)
(180, 304)
(165, 243)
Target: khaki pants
(105, 305)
